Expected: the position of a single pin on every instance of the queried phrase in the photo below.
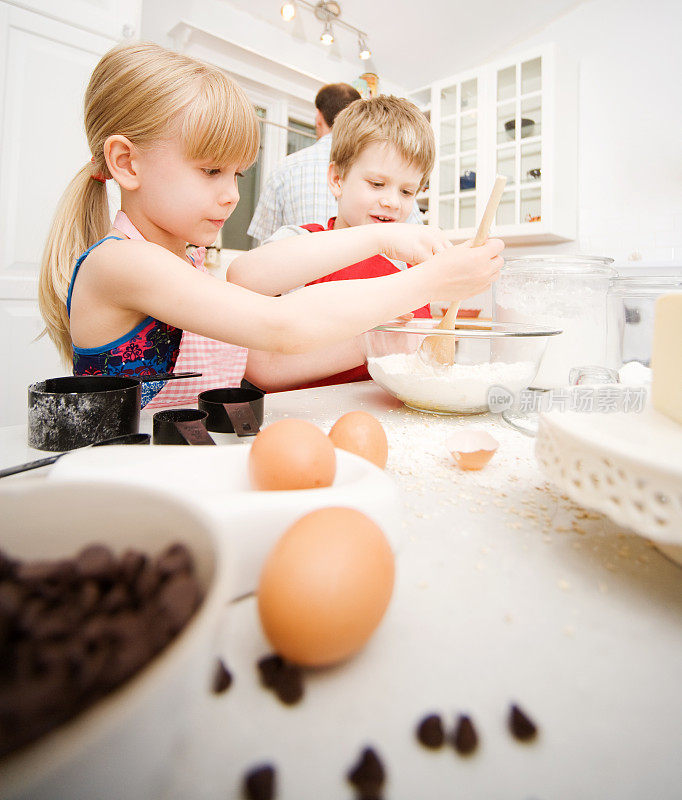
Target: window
(233, 235)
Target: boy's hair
(383, 119)
(333, 98)
(144, 92)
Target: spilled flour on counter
(458, 387)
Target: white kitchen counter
(505, 592)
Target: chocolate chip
(285, 679)
(96, 561)
(259, 783)
(115, 599)
(33, 572)
(147, 582)
(174, 559)
(430, 732)
(178, 599)
(520, 725)
(368, 774)
(465, 738)
(222, 679)
(88, 596)
(131, 565)
(11, 597)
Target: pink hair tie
(98, 176)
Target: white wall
(630, 127)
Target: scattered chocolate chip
(285, 679)
(430, 732)
(259, 783)
(520, 725)
(465, 738)
(222, 678)
(368, 774)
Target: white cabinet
(516, 117)
(45, 64)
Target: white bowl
(216, 480)
(123, 745)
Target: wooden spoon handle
(490, 211)
(448, 321)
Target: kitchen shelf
(468, 115)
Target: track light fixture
(329, 13)
(288, 11)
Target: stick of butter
(666, 356)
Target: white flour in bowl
(456, 388)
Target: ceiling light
(328, 12)
(288, 11)
(363, 50)
(327, 37)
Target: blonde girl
(175, 134)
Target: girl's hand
(463, 270)
(411, 243)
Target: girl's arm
(129, 275)
(278, 267)
(277, 372)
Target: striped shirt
(296, 193)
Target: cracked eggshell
(471, 449)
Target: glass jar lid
(560, 265)
(646, 285)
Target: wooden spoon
(441, 349)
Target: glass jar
(631, 302)
(564, 292)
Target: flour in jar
(455, 388)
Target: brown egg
(291, 454)
(362, 434)
(325, 586)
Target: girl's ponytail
(81, 219)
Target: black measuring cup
(76, 410)
(180, 426)
(233, 410)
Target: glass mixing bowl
(493, 362)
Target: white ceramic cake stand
(626, 465)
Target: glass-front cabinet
(516, 118)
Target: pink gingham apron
(221, 364)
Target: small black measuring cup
(180, 426)
(233, 410)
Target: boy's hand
(463, 270)
(411, 243)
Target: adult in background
(297, 192)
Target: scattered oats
(624, 552)
(515, 525)
(564, 584)
(642, 559)
(611, 567)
